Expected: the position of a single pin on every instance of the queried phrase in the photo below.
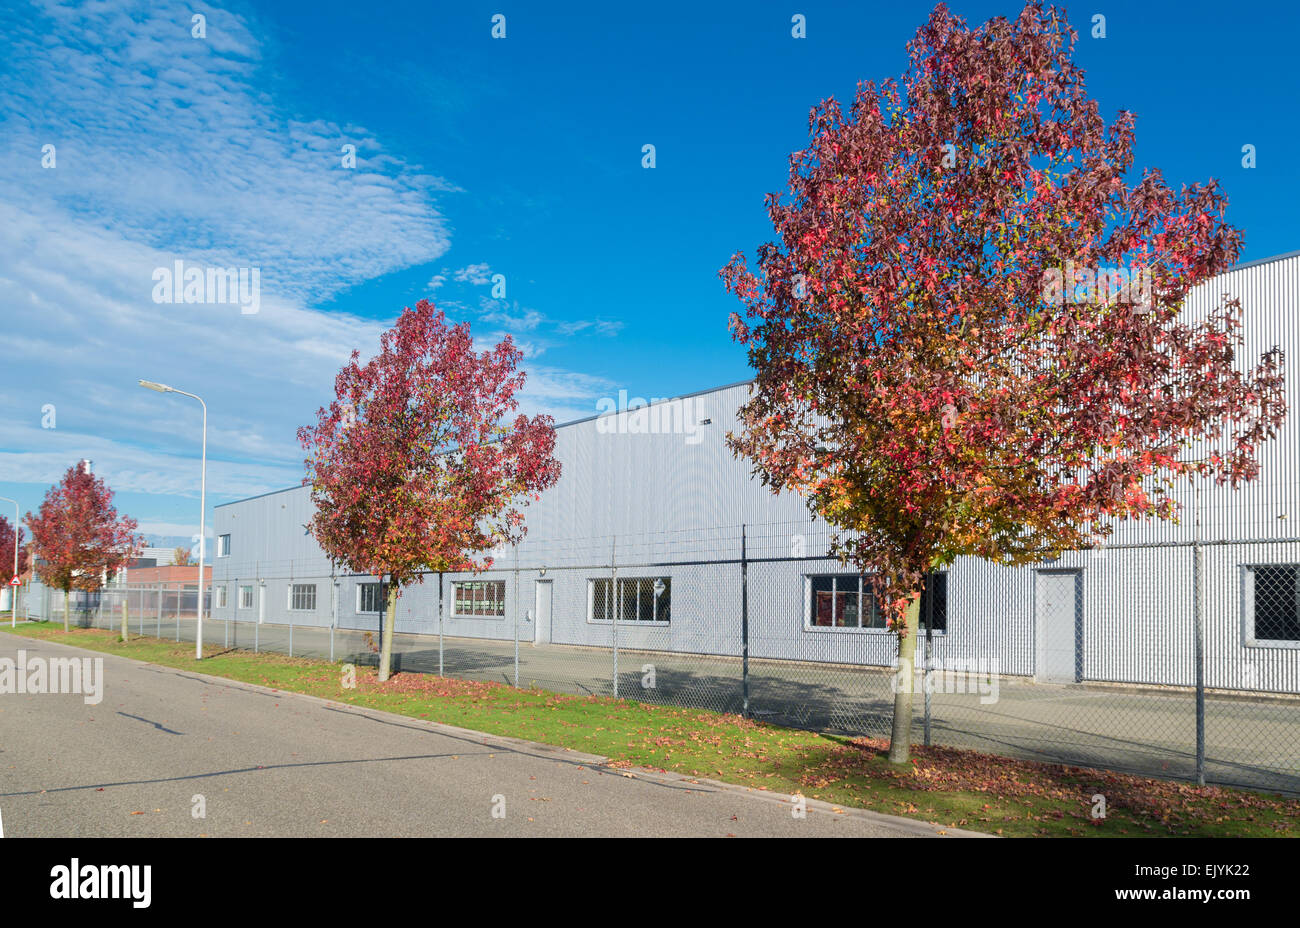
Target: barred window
(640, 599)
(472, 598)
(849, 601)
(246, 597)
(221, 596)
(371, 597)
(934, 602)
(1274, 603)
(302, 597)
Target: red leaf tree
(414, 466)
(968, 340)
(7, 541)
(78, 536)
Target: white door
(542, 612)
(1060, 625)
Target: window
(371, 597)
(838, 601)
(478, 598)
(640, 599)
(223, 546)
(1272, 605)
(246, 597)
(934, 602)
(848, 601)
(221, 596)
(302, 597)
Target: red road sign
(14, 581)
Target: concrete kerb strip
(555, 752)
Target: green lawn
(945, 786)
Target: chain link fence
(1177, 660)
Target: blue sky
(475, 156)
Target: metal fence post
(334, 611)
(440, 672)
(613, 584)
(180, 604)
(158, 626)
(929, 689)
(1197, 612)
(744, 626)
(516, 612)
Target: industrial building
(654, 524)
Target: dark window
(371, 597)
(302, 597)
(848, 601)
(640, 599)
(844, 601)
(1277, 602)
(934, 602)
(479, 598)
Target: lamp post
(203, 491)
(13, 591)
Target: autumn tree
(181, 556)
(7, 540)
(415, 466)
(952, 355)
(78, 536)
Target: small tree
(413, 466)
(929, 372)
(181, 556)
(7, 541)
(78, 536)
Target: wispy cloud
(169, 147)
(476, 274)
(603, 327)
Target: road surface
(269, 763)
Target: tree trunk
(66, 597)
(386, 647)
(900, 741)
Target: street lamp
(203, 492)
(13, 592)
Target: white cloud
(476, 274)
(598, 326)
(169, 149)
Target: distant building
(170, 574)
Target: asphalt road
(270, 763)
